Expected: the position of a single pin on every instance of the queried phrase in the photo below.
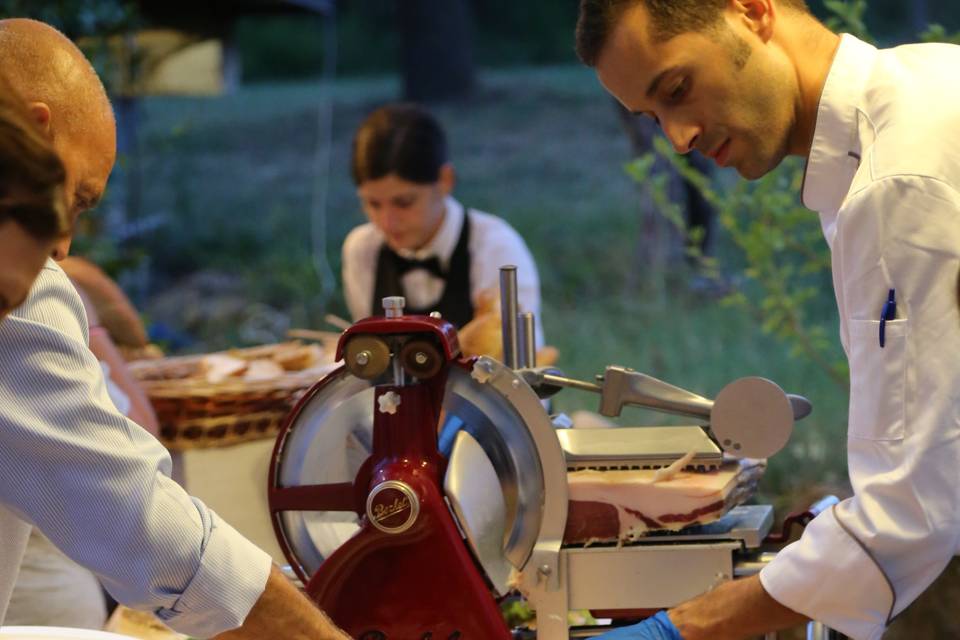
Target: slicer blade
(638, 448)
(331, 437)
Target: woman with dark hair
(420, 242)
(32, 207)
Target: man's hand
(658, 627)
(283, 612)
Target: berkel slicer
(412, 488)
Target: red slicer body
(407, 574)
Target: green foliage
(287, 47)
(938, 33)
(848, 16)
(523, 33)
(293, 42)
(782, 254)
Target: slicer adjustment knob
(393, 306)
(421, 359)
(389, 402)
(482, 371)
(367, 357)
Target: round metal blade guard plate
(494, 480)
(752, 418)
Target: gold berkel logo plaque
(392, 506)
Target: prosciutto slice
(623, 505)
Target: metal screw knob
(393, 306)
(362, 358)
(420, 358)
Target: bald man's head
(68, 100)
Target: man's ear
(41, 114)
(448, 179)
(758, 16)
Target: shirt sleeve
(863, 562)
(98, 485)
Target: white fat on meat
(673, 497)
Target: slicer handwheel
(367, 357)
(421, 359)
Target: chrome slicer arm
(750, 417)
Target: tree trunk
(437, 49)
(661, 244)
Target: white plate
(56, 633)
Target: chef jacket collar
(835, 153)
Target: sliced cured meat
(622, 505)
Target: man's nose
(682, 136)
(61, 249)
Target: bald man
(70, 464)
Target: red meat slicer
(401, 534)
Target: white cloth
(883, 173)
(54, 591)
(493, 244)
(117, 395)
(98, 486)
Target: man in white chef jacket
(748, 82)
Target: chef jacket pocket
(877, 379)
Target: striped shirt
(98, 485)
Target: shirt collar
(835, 152)
(445, 240)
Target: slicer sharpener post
(528, 340)
(508, 316)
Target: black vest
(455, 303)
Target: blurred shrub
(506, 33)
(285, 47)
(531, 32)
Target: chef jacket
(883, 173)
(493, 243)
(99, 486)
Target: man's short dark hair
(668, 18)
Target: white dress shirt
(98, 485)
(493, 244)
(883, 173)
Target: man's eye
(403, 204)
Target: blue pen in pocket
(889, 312)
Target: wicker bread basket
(195, 413)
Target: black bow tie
(431, 264)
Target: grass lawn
(233, 178)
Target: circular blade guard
(494, 481)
